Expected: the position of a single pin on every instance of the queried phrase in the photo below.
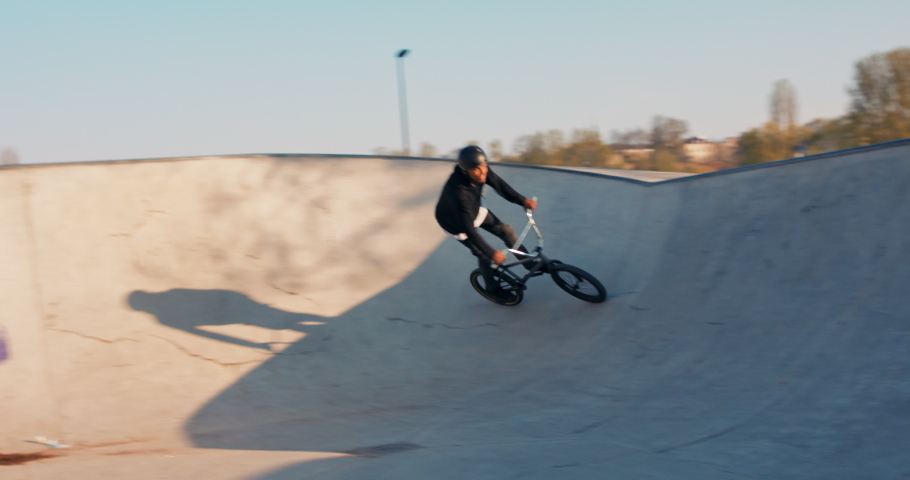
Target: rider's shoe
(544, 269)
(496, 291)
(499, 293)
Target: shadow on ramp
(770, 341)
(198, 311)
(410, 358)
(557, 387)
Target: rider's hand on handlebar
(499, 257)
(531, 204)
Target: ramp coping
(774, 164)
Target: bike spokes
(578, 283)
(508, 297)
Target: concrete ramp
(284, 317)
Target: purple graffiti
(4, 352)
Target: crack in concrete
(443, 325)
(141, 223)
(450, 327)
(590, 426)
(288, 292)
(265, 353)
(399, 319)
(203, 357)
(102, 340)
(705, 438)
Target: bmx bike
(575, 281)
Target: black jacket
(460, 202)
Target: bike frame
(534, 255)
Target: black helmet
(471, 157)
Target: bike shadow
(202, 312)
(400, 372)
(381, 361)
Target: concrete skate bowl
(756, 325)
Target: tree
(9, 157)
(783, 104)
(667, 132)
(495, 151)
(541, 148)
(829, 135)
(636, 136)
(770, 142)
(427, 150)
(664, 161)
(532, 149)
(554, 141)
(586, 150)
(781, 137)
(880, 107)
(667, 137)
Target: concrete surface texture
(284, 317)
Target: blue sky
(101, 80)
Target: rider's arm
(504, 189)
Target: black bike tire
(477, 276)
(578, 273)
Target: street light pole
(403, 102)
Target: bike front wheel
(578, 283)
(514, 298)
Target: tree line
(662, 143)
(879, 111)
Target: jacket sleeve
(504, 189)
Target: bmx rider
(460, 212)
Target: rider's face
(478, 175)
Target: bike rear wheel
(578, 283)
(477, 281)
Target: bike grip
(496, 265)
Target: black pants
(502, 230)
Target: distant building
(695, 150)
(701, 150)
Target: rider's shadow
(203, 312)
